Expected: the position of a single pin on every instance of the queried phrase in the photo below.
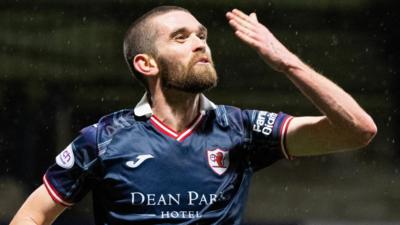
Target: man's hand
(344, 124)
(256, 35)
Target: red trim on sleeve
(283, 132)
(54, 194)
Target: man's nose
(198, 44)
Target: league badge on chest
(218, 160)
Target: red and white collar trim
(172, 133)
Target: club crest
(218, 160)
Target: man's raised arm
(344, 124)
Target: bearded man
(178, 158)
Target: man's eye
(202, 36)
(180, 37)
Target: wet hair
(140, 38)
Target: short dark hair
(140, 38)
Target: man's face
(183, 56)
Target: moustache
(199, 57)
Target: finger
(238, 27)
(253, 17)
(232, 16)
(240, 21)
(229, 15)
(247, 39)
(242, 15)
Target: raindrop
(334, 40)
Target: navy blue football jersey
(140, 171)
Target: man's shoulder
(229, 110)
(110, 124)
(228, 115)
(101, 133)
(116, 121)
(122, 118)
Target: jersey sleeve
(266, 132)
(75, 169)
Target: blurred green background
(62, 68)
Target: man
(177, 158)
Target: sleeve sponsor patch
(264, 122)
(66, 158)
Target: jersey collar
(143, 108)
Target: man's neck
(176, 109)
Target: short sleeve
(266, 132)
(75, 169)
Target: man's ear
(145, 64)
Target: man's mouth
(203, 60)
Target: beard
(193, 78)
